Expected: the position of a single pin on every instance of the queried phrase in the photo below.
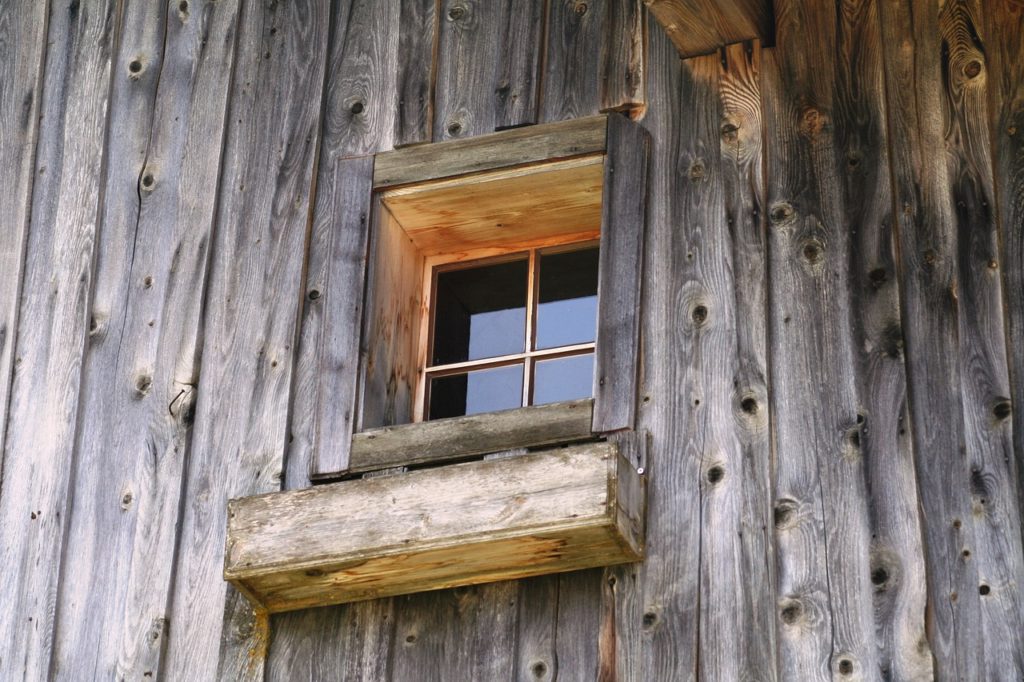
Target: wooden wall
(833, 324)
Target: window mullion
(531, 324)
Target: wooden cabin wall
(833, 325)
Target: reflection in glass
(567, 308)
(483, 390)
(568, 378)
(480, 312)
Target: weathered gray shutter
(618, 317)
(340, 232)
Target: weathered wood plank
(22, 52)
(721, 277)
(332, 311)
(361, 92)
(469, 50)
(501, 150)
(344, 203)
(623, 221)
(536, 625)
(56, 288)
(668, 584)
(348, 642)
(622, 57)
(823, 534)
(571, 86)
(897, 561)
(455, 525)
(1005, 85)
(417, 47)
(145, 317)
(956, 354)
(702, 26)
(517, 82)
(578, 630)
(461, 437)
(252, 301)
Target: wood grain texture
(571, 86)
(623, 221)
(461, 437)
(470, 45)
(22, 51)
(702, 26)
(823, 534)
(665, 644)
(953, 324)
(897, 561)
(622, 57)
(544, 512)
(361, 91)
(517, 81)
(417, 47)
(344, 203)
(145, 317)
(52, 328)
(1005, 85)
(502, 150)
(252, 302)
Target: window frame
(441, 263)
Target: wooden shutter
(622, 234)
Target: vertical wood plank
(579, 626)
(622, 57)
(52, 327)
(252, 302)
(349, 642)
(822, 523)
(343, 202)
(141, 363)
(666, 648)
(956, 354)
(417, 49)
(883, 431)
(623, 216)
(22, 51)
(571, 86)
(466, 633)
(1005, 81)
(537, 624)
(361, 92)
(469, 47)
(516, 87)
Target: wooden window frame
(383, 195)
(435, 265)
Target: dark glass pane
(480, 312)
(484, 390)
(567, 309)
(568, 378)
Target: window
(513, 331)
(473, 275)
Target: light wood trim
(520, 146)
(460, 437)
(556, 510)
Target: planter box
(545, 512)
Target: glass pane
(483, 390)
(567, 309)
(480, 312)
(568, 378)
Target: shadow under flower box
(549, 511)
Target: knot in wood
(697, 171)
(456, 13)
(716, 474)
(183, 8)
(749, 405)
(580, 8)
(791, 611)
(1002, 410)
(650, 619)
(143, 383)
(845, 666)
(699, 314)
(314, 294)
(539, 669)
(148, 181)
(781, 213)
(812, 122)
(135, 68)
(356, 108)
(454, 128)
(972, 69)
(984, 590)
(813, 251)
(785, 514)
(730, 132)
(878, 277)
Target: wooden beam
(701, 26)
(460, 437)
(546, 512)
(514, 147)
